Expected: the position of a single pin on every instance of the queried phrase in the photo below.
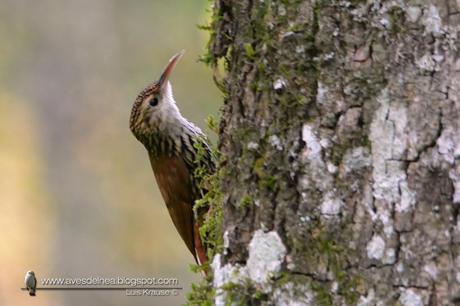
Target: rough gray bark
(340, 140)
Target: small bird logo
(30, 282)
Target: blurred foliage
(23, 198)
(78, 197)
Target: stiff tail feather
(200, 250)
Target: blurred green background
(77, 194)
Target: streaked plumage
(171, 140)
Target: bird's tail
(32, 292)
(200, 251)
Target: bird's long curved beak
(169, 68)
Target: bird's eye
(153, 101)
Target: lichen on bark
(339, 136)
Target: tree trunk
(340, 145)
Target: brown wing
(173, 180)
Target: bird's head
(155, 110)
(30, 273)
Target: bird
(31, 282)
(174, 145)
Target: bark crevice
(340, 135)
